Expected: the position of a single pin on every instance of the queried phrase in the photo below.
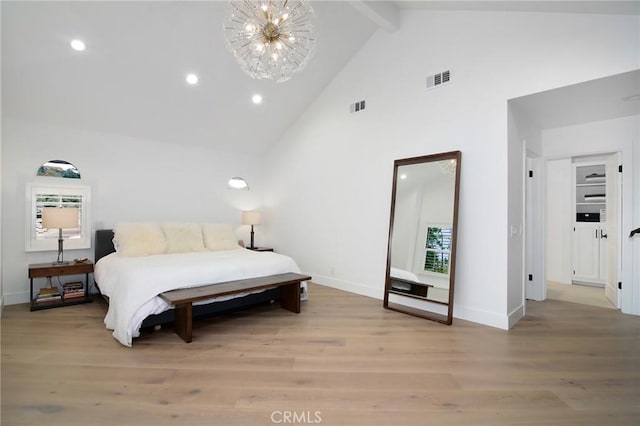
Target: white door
(604, 253)
(534, 251)
(586, 251)
(612, 243)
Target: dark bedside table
(48, 270)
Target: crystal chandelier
(270, 39)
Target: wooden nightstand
(48, 270)
(260, 248)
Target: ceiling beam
(383, 13)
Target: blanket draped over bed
(133, 283)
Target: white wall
(1, 287)
(1, 239)
(601, 137)
(130, 180)
(330, 176)
(524, 139)
(515, 230)
(558, 220)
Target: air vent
(438, 79)
(356, 106)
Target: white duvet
(403, 275)
(133, 283)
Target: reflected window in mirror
(438, 249)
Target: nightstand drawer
(49, 270)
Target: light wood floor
(343, 361)
(576, 293)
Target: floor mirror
(421, 254)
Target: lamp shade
(60, 218)
(251, 218)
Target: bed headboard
(104, 243)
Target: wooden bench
(182, 299)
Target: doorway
(585, 119)
(582, 217)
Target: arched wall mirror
(422, 236)
(58, 168)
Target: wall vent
(438, 79)
(356, 106)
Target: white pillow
(219, 236)
(139, 239)
(183, 237)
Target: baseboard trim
(15, 298)
(349, 286)
(490, 319)
(478, 316)
(516, 315)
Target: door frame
(630, 294)
(534, 199)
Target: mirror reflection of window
(438, 249)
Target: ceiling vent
(356, 106)
(438, 79)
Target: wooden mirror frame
(434, 316)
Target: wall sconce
(61, 218)
(237, 183)
(251, 218)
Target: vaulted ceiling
(130, 80)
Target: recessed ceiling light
(403, 176)
(78, 45)
(256, 99)
(237, 183)
(192, 79)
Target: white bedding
(133, 283)
(403, 275)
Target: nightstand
(77, 292)
(260, 248)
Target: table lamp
(251, 218)
(61, 218)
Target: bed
(131, 284)
(407, 282)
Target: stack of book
(73, 291)
(48, 295)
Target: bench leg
(290, 297)
(184, 321)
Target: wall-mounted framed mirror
(421, 254)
